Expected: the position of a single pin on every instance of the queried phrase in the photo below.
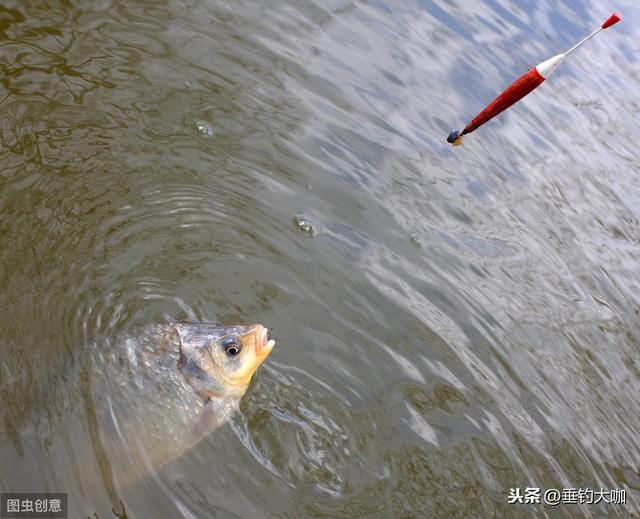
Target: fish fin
(215, 413)
(458, 141)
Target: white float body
(548, 66)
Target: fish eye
(231, 346)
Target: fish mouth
(264, 342)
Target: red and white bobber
(523, 86)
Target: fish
(126, 409)
(159, 392)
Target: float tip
(614, 18)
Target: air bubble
(203, 128)
(303, 224)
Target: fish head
(218, 361)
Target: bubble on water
(203, 128)
(303, 224)
(416, 240)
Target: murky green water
(451, 323)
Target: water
(451, 323)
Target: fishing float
(522, 86)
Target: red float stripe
(614, 18)
(514, 92)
